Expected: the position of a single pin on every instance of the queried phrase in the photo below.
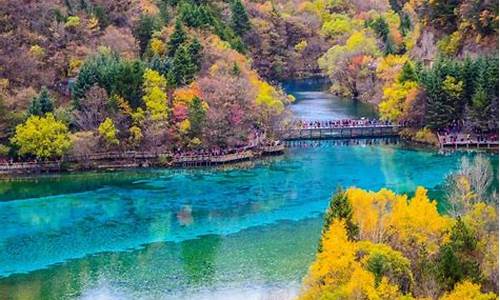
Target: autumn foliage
(399, 250)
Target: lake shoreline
(61, 167)
(142, 161)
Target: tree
(404, 247)
(144, 29)
(6, 120)
(116, 75)
(41, 104)
(478, 112)
(339, 25)
(456, 260)
(457, 90)
(469, 185)
(350, 66)
(340, 208)
(93, 109)
(157, 47)
(408, 72)
(184, 65)
(195, 15)
(155, 96)
(177, 38)
(240, 22)
(43, 137)
(470, 291)
(195, 54)
(396, 98)
(381, 28)
(196, 116)
(441, 109)
(108, 132)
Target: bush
(72, 22)
(426, 136)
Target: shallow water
(245, 232)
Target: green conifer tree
(181, 67)
(196, 115)
(176, 39)
(408, 73)
(340, 208)
(240, 23)
(194, 50)
(41, 104)
(456, 260)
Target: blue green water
(174, 233)
(241, 232)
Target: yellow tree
(468, 290)
(107, 131)
(344, 269)
(155, 96)
(44, 137)
(395, 97)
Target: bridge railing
(338, 124)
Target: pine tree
(194, 50)
(176, 39)
(196, 116)
(41, 104)
(468, 75)
(456, 260)
(405, 26)
(195, 15)
(479, 111)
(438, 109)
(408, 73)
(340, 208)
(181, 69)
(442, 108)
(240, 23)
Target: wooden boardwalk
(136, 159)
(462, 140)
(342, 132)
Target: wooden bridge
(346, 130)
(462, 140)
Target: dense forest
(381, 245)
(80, 76)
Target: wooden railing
(467, 140)
(137, 159)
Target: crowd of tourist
(346, 123)
(455, 134)
(467, 138)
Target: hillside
(191, 74)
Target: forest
(78, 76)
(381, 245)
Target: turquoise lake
(241, 232)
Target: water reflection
(185, 216)
(342, 142)
(314, 102)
